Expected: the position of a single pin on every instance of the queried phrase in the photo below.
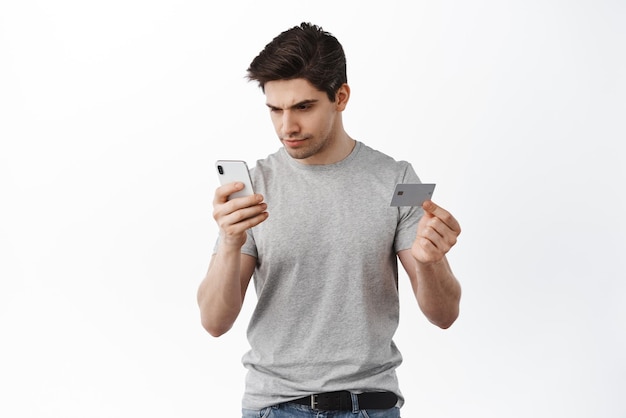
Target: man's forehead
(286, 93)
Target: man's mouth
(293, 142)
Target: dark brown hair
(304, 51)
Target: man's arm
(221, 293)
(437, 291)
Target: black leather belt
(342, 401)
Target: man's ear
(342, 97)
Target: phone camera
(220, 169)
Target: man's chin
(297, 154)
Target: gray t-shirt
(326, 276)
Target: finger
(445, 216)
(425, 251)
(439, 241)
(243, 225)
(436, 232)
(225, 207)
(235, 210)
(240, 215)
(222, 192)
(431, 234)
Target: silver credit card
(412, 194)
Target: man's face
(305, 120)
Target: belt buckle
(314, 401)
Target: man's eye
(304, 107)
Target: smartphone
(412, 194)
(235, 170)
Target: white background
(113, 113)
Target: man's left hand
(437, 232)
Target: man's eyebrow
(302, 103)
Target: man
(322, 242)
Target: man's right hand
(234, 217)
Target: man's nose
(289, 125)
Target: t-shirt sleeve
(250, 246)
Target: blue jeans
(291, 410)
